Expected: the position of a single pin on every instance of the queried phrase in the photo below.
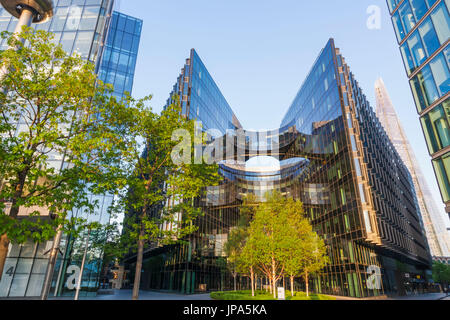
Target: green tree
(281, 242)
(295, 240)
(164, 177)
(61, 113)
(266, 239)
(237, 239)
(441, 273)
(313, 257)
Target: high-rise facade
(438, 238)
(110, 40)
(422, 28)
(331, 153)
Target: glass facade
(201, 98)
(332, 153)
(423, 30)
(80, 26)
(118, 62)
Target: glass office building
(330, 152)
(423, 30)
(110, 40)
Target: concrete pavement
(158, 295)
(429, 296)
(150, 295)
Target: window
(83, 43)
(419, 8)
(353, 140)
(441, 74)
(89, 18)
(429, 36)
(416, 47)
(407, 58)
(367, 221)
(393, 4)
(398, 27)
(441, 21)
(358, 167)
(436, 127)
(407, 17)
(362, 193)
(424, 89)
(442, 168)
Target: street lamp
(29, 11)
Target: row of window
(409, 14)
(432, 82)
(126, 23)
(427, 39)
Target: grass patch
(263, 295)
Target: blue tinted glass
(393, 4)
(419, 7)
(119, 57)
(417, 50)
(398, 27)
(429, 36)
(431, 3)
(407, 58)
(441, 74)
(407, 17)
(441, 21)
(429, 85)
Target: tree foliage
(279, 242)
(56, 143)
(161, 195)
(441, 273)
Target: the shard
(438, 239)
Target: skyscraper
(330, 152)
(110, 40)
(422, 28)
(436, 232)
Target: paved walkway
(150, 295)
(157, 295)
(429, 296)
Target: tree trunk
(13, 213)
(274, 278)
(270, 285)
(234, 281)
(137, 276)
(252, 276)
(4, 246)
(307, 283)
(51, 264)
(4, 240)
(292, 286)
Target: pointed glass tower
(434, 224)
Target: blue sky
(260, 51)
